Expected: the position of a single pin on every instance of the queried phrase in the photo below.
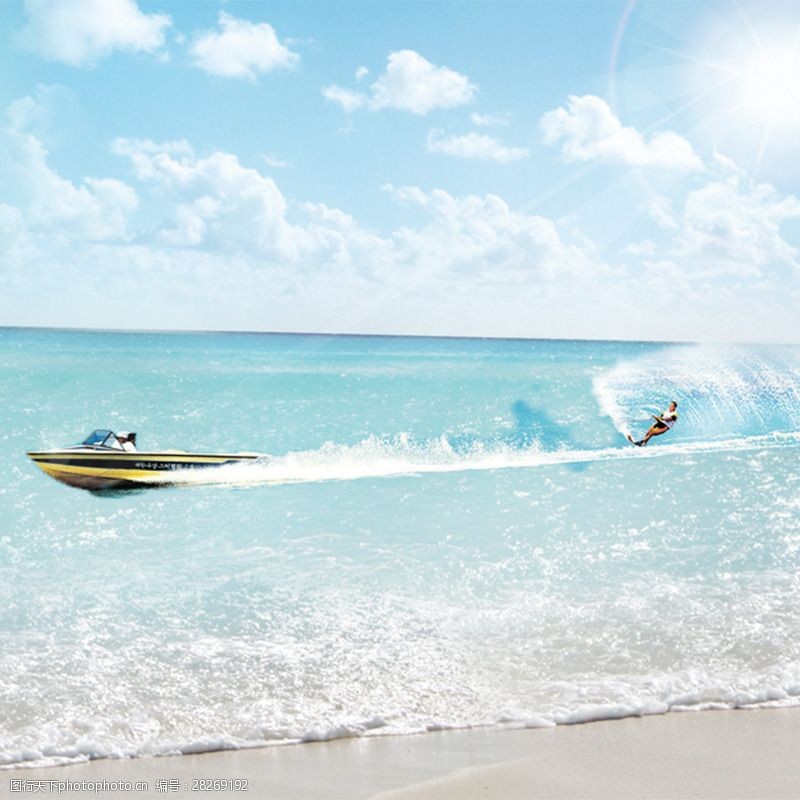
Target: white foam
(381, 458)
(728, 389)
(700, 701)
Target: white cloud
(31, 113)
(361, 73)
(734, 226)
(218, 201)
(95, 209)
(241, 49)
(474, 145)
(81, 32)
(44, 113)
(98, 208)
(484, 236)
(348, 99)
(217, 243)
(214, 222)
(271, 160)
(659, 208)
(412, 83)
(144, 154)
(219, 205)
(644, 248)
(724, 231)
(588, 130)
(16, 246)
(409, 83)
(489, 120)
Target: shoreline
(742, 753)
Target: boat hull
(97, 471)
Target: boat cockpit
(106, 440)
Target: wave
(722, 391)
(711, 697)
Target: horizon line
(214, 331)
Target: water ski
(630, 439)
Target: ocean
(442, 533)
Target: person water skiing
(661, 425)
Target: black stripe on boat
(116, 463)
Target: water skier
(662, 424)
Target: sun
(728, 75)
(769, 86)
(751, 67)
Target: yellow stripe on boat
(59, 471)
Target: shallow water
(443, 532)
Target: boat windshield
(101, 438)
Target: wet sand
(713, 754)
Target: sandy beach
(400, 400)
(714, 754)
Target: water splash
(722, 391)
(377, 457)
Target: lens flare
(770, 87)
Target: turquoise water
(442, 533)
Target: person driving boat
(127, 440)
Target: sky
(603, 170)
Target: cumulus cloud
(45, 113)
(659, 209)
(81, 32)
(96, 209)
(484, 235)
(348, 99)
(218, 201)
(644, 248)
(734, 226)
(237, 223)
(588, 130)
(412, 83)
(216, 227)
(409, 83)
(724, 230)
(241, 49)
(220, 205)
(489, 120)
(474, 145)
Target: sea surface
(442, 533)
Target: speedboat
(105, 460)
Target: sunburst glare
(770, 86)
(733, 76)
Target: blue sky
(593, 170)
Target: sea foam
(443, 534)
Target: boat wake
(730, 398)
(400, 456)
